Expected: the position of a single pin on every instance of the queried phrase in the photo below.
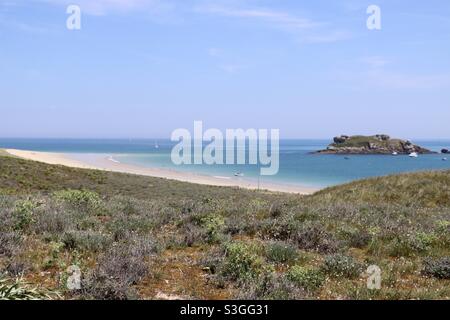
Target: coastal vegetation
(136, 237)
(377, 144)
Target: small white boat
(395, 153)
(238, 174)
(413, 155)
(156, 145)
(444, 159)
(110, 158)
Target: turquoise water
(297, 165)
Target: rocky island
(377, 144)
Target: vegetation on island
(377, 144)
(136, 237)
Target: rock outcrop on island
(377, 144)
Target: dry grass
(148, 238)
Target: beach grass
(136, 237)
(3, 153)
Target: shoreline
(107, 163)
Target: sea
(298, 165)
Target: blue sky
(142, 68)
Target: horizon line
(162, 139)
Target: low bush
(241, 262)
(55, 220)
(282, 228)
(309, 279)
(338, 265)
(411, 245)
(443, 226)
(281, 252)
(121, 267)
(120, 225)
(401, 247)
(213, 225)
(438, 268)
(83, 199)
(24, 213)
(9, 243)
(270, 286)
(355, 238)
(203, 228)
(314, 237)
(276, 210)
(85, 240)
(424, 241)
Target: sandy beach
(103, 162)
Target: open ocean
(297, 165)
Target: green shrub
(281, 228)
(411, 245)
(443, 226)
(313, 236)
(338, 265)
(120, 225)
(242, 261)
(24, 214)
(53, 258)
(281, 252)
(424, 241)
(309, 279)
(354, 237)
(203, 228)
(401, 247)
(438, 268)
(213, 225)
(85, 240)
(276, 210)
(271, 286)
(83, 199)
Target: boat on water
(413, 155)
(156, 145)
(238, 174)
(395, 153)
(444, 159)
(110, 158)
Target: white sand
(109, 164)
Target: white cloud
(304, 29)
(276, 18)
(103, 7)
(24, 27)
